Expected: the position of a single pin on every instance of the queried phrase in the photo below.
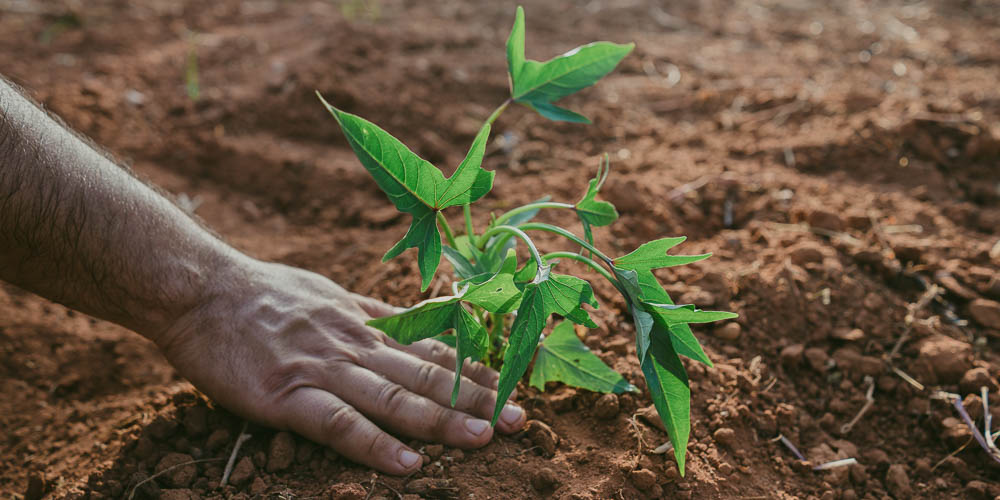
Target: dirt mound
(839, 162)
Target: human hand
(290, 349)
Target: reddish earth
(839, 160)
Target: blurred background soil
(839, 159)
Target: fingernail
(511, 414)
(476, 426)
(408, 459)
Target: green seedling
(499, 306)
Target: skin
(280, 346)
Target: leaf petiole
(469, 231)
(496, 113)
(450, 236)
(581, 258)
(529, 207)
(540, 226)
(522, 236)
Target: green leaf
(463, 268)
(653, 255)
(562, 357)
(591, 211)
(414, 185)
(498, 295)
(538, 84)
(424, 320)
(472, 341)
(548, 294)
(446, 339)
(682, 314)
(668, 387)
(424, 236)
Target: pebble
(975, 378)
(243, 472)
(179, 476)
(643, 479)
(434, 451)
(977, 490)
(848, 334)
(281, 453)
(606, 407)
(217, 439)
(179, 494)
(825, 220)
(347, 491)
(948, 358)
(806, 254)
(986, 313)
(729, 331)
(897, 481)
(542, 436)
(457, 455)
(792, 355)
(725, 436)
(545, 479)
(817, 358)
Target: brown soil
(837, 160)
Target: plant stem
(581, 258)
(469, 231)
(498, 111)
(450, 236)
(539, 226)
(529, 207)
(522, 236)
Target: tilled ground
(840, 161)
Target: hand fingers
(434, 382)
(394, 407)
(374, 307)
(442, 355)
(326, 419)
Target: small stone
(897, 482)
(542, 436)
(725, 469)
(954, 431)
(643, 479)
(730, 331)
(825, 220)
(652, 417)
(876, 457)
(179, 494)
(243, 472)
(545, 479)
(806, 254)
(196, 420)
(181, 471)
(792, 355)
(948, 358)
(347, 491)
(725, 436)
(847, 334)
(258, 486)
(281, 453)
(817, 358)
(606, 407)
(974, 379)
(986, 313)
(434, 451)
(977, 490)
(217, 439)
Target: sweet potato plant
(500, 307)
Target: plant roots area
(841, 161)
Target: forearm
(82, 231)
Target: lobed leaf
(668, 387)
(562, 357)
(538, 84)
(653, 255)
(414, 185)
(549, 293)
